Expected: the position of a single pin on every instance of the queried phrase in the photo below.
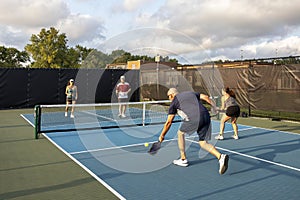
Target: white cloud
(20, 19)
(12, 37)
(223, 28)
(131, 5)
(81, 28)
(289, 46)
(30, 16)
(32, 13)
(229, 24)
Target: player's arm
(76, 93)
(128, 89)
(117, 90)
(66, 92)
(166, 128)
(207, 99)
(222, 103)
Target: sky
(192, 30)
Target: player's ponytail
(230, 92)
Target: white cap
(122, 77)
(172, 91)
(71, 80)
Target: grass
(275, 115)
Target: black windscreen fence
(257, 87)
(25, 88)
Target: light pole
(242, 56)
(276, 54)
(157, 59)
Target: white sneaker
(66, 114)
(180, 162)
(72, 116)
(123, 116)
(236, 137)
(223, 163)
(219, 137)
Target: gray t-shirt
(188, 106)
(230, 102)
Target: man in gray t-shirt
(196, 118)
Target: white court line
(255, 158)
(112, 190)
(116, 147)
(118, 194)
(87, 169)
(260, 159)
(104, 149)
(245, 129)
(234, 152)
(97, 115)
(274, 130)
(138, 144)
(269, 129)
(27, 120)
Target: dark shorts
(202, 127)
(122, 100)
(69, 100)
(233, 111)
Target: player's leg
(210, 148)
(120, 108)
(235, 127)
(72, 110)
(181, 145)
(223, 158)
(224, 119)
(67, 108)
(123, 110)
(124, 107)
(234, 117)
(204, 132)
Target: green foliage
(288, 60)
(48, 49)
(121, 56)
(295, 116)
(96, 59)
(75, 56)
(12, 57)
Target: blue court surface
(264, 164)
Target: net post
(144, 114)
(37, 121)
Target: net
(53, 118)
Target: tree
(12, 57)
(96, 59)
(75, 56)
(48, 49)
(120, 56)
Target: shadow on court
(36, 169)
(28, 192)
